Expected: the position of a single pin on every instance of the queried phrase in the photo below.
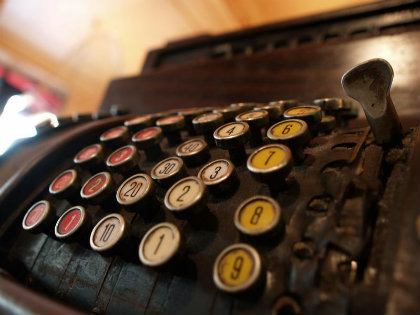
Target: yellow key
(237, 268)
(301, 110)
(292, 132)
(286, 128)
(257, 215)
(271, 162)
(312, 114)
(327, 124)
(268, 157)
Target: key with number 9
(237, 268)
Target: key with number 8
(257, 216)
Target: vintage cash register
(268, 171)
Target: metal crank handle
(369, 83)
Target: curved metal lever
(369, 83)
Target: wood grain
(306, 72)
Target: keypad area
(167, 235)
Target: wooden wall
(77, 46)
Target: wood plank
(312, 70)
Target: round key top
(160, 245)
(333, 104)
(327, 124)
(109, 233)
(256, 120)
(74, 224)
(115, 136)
(243, 107)
(189, 114)
(352, 113)
(171, 127)
(205, 124)
(285, 104)
(159, 115)
(311, 114)
(66, 184)
(149, 140)
(274, 112)
(271, 163)
(292, 132)
(193, 151)
(344, 117)
(257, 216)
(218, 175)
(237, 268)
(90, 157)
(168, 171)
(232, 137)
(124, 159)
(337, 107)
(187, 195)
(229, 113)
(289, 131)
(138, 123)
(136, 192)
(39, 218)
(98, 188)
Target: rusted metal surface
(348, 243)
(370, 83)
(340, 233)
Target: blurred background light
(17, 123)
